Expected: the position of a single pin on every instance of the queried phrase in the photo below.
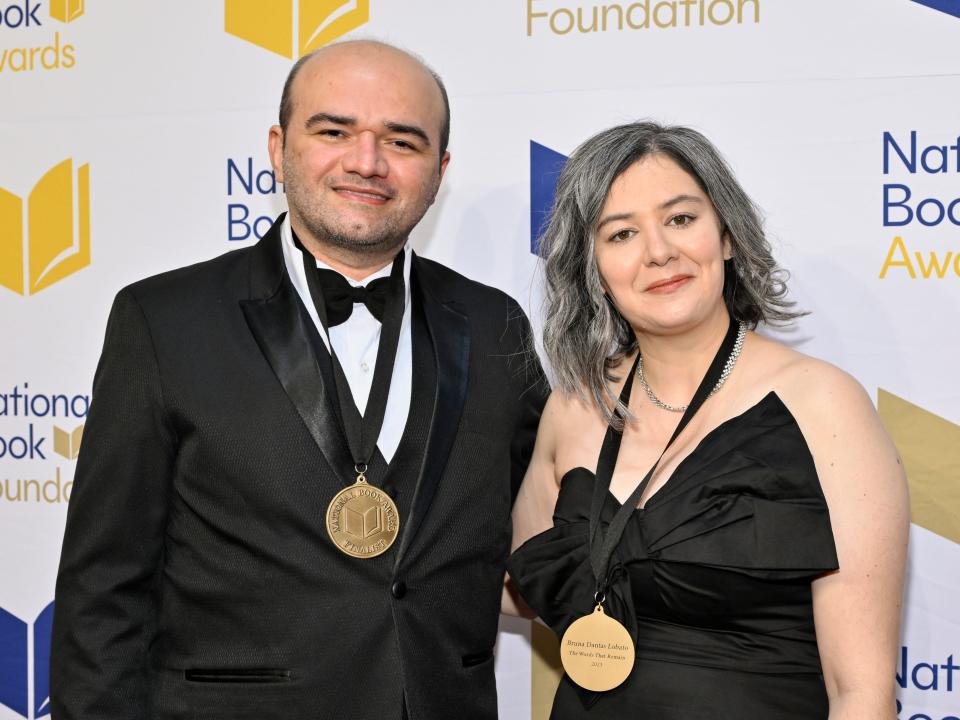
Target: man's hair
(584, 334)
(286, 98)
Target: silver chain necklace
(727, 367)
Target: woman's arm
(536, 499)
(857, 608)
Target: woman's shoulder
(807, 384)
(835, 414)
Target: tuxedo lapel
(450, 334)
(274, 316)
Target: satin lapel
(450, 334)
(277, 323)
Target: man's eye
(331, 132)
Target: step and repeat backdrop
(133, 140)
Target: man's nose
(365, 157)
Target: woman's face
(659, 248)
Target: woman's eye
(621, 235)
(681, 220)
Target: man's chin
(367, 245)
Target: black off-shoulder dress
(712, 579)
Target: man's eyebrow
(323, 117)
(407, 130)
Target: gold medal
(362, 520)
(597, 651)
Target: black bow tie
(339, 296)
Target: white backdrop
(817, 105)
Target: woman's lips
(668, 285)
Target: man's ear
(444, 161)
(275, 148)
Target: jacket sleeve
(532, 389)
(106, 594)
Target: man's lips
(370, 196)
(668, 284)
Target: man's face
(359, 159)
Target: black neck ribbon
(362, 433)
(602, 544)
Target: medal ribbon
(602, 545)
(362, 433)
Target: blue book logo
(951, 7)
(16, 665)
(545, 166)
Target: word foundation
(641, 15)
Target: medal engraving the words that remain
(597, 652)
(362, 521)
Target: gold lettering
(672, 21)
(897, 246)
(531, 15)
(730, 12)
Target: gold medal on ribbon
(597, 651)
(362, 520)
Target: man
(260, 528)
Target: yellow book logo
(57, 238)
(66, 10)
(293, 28)
(66, 443)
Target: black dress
(712, 579)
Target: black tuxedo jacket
(197, 579)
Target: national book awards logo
(26, 43)
(40, 435)
(292, 28)
(921, 205)
(25, 663)
(562, 17)
(45, 237)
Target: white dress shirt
(355, 343)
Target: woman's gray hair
(584, 335)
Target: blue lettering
(910, 164)
(25, 15)
(888, 203)
(261, 225)
(238, 226)
(247, 183)
(270, 187)
(233, 221)
(934, 149)
(19, 447)
(915, 675)
(264, 182)
(84, 402)
(940, 212)
(950, 668)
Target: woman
(758, 569)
